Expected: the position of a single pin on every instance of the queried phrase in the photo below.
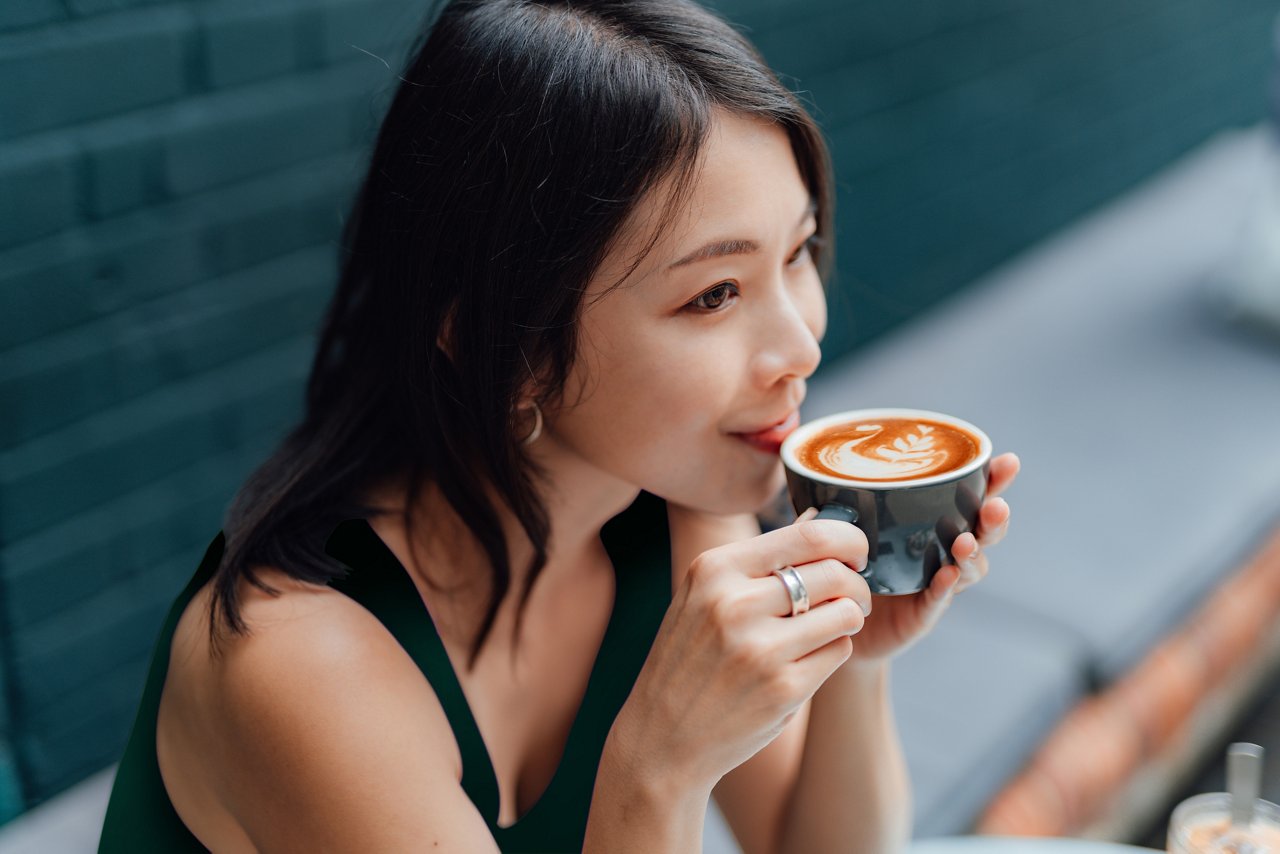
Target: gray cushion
(1137, 413)
(972, 701)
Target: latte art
(888, 449)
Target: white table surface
(1019, 845)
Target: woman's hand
(729, 667)
(899, 621)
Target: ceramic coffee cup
(911, 479)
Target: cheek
(641, 387)
(655, 420)
(813, 306)
(677, 385)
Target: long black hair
(520, 139)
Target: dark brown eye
(713, 299)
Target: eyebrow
(720, 248)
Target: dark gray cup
(911, 525)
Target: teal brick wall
(173, 176)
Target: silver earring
(537, 427)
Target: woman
(502, 588)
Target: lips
(770, 438)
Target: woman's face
(697, 348)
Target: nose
(788, 334)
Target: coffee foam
(888, 449)
(1215, 835)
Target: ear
(445, 335)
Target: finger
(937, 596)
(964, 548)
(807, 515)
(816, 667)
(993, 521)
(1002, 471)
(800, 543)
(971, 560)
(823, 580)
(802, 634)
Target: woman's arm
(834, 779)
(725, 676)
(636, 807)
(837, 781)
(852, 791)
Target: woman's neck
(578, 500)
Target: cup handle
(845, 514)
(838, 511)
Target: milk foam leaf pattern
(913, 447)
(885, 450)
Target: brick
(117, 625)
(90, 272)
(39, 191)
(84, 273)
(109, 696)
(237, 134)
(92, 367)
(1018, 49)
(55, 760)
(905, 154)
(849, 33)
(132, 59)
(380, 28)
(26, 13)
(122, 162)
(45, 588)
(71, 470)
(148, 156)
(177, 515)
(243, 42)
(12, 797)
(289, 210)
(85, 8)
(6, 721)
(996, 204)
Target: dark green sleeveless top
(140, 817)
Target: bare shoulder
(316, 712)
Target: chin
(754, 497)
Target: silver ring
(796, 590)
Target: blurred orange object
(1097, 749)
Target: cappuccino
(885, 450)
(1202, 825)
(1216, 835)
(912, 480)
